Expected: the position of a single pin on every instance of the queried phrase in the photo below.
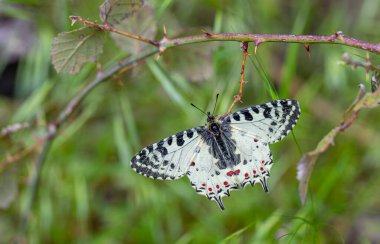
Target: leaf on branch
(115, 11)
(70, 50)
(8, 188)
(142, 23)
(309, 159)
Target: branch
(258, 39)
(367, 65)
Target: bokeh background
(88, 192)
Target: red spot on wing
(246, 175)
(263, 161)
(225, 183)
(210, 189)
(217, 186)
(192, 164)
(261, 169)
(230, 173)
(237, 172)
(254, 172)
(203, 184)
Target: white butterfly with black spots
(225, 154)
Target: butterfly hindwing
(256, 159)
(207, 179)
(169, 158)
(269, 122)
(253, 165)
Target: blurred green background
(88, 192)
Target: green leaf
(142, 23)
(115, 11)
(70, 50)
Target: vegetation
(67, 139)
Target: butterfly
(225, 154)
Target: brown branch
(239, 96)
(258, 39)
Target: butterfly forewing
(169, 158)
(269, 122)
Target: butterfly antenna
(216, 101)
(203, 112)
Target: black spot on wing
(267, 113)
(189, 133)
(160, 143)
(284, 103)
(150, 148)
(247, 114)
(162, 150)
(274, 103)
(142, 153)
(180, 140)
(255, 110)
(277, 114)
(236, 116)
(170, 140)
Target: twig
(367, 65)
(239, 96)
(109, 28)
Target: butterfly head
(212, 124)
(210, 117)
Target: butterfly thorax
(221, 146)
